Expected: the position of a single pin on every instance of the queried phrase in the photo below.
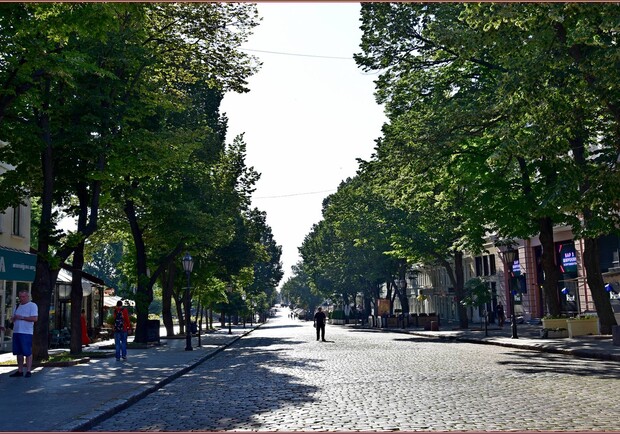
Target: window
(17, 216)
(485, 265)
(478, 260)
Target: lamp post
(244, 308)
(413, 277)
(188, 264)
(510, 256)
(403, 287)
(229, 291)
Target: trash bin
(434, 326)
(152, 330)
(194, 327)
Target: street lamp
(229, 289)
(413, 277)
(403, 287)
(510, 256)
(188, 264)
(244, 308)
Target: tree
(490, 92)
(100, 73)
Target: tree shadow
(536, 363)
(231, 389)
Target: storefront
(92, 303)
(17, 271)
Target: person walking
(501, 316)
(23, 319)
(319, 324)
(121, 330)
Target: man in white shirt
(24, 317)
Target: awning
(16, 265)
(111, 300)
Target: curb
(86, 422)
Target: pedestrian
(501, 317)
(121, 329)
(319, 324)
(85, 338)
(23, 319)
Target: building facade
(17, 265)
(430, 290)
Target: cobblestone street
(280, 378)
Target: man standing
(23, 319)
(121, 329)
(501, 317)
(319, 324)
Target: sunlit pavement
(279, 378)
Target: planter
(554, 323)
(392, 322)
(582, 326)
(425, 321)
(553, 333)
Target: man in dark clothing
(319, 324)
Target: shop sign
(17, 266)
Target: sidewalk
(78, 397)
(528, 337)
(75, 398)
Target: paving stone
(279, 378)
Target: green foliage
(501, 117)
(477, 292)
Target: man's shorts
(22, 344)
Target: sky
(310, 113)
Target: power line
(298, 54)
(295, 194)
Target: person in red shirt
(84, 326)
(121, 330)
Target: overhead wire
(295, 194)
(298, 54)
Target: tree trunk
(167, 291)
(178, 303)
(144, 292)
(76, 299)
(591, 261)
(45, 278)
(550, 268)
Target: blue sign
(16, 265)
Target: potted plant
(583, 325)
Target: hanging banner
(16, 265)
